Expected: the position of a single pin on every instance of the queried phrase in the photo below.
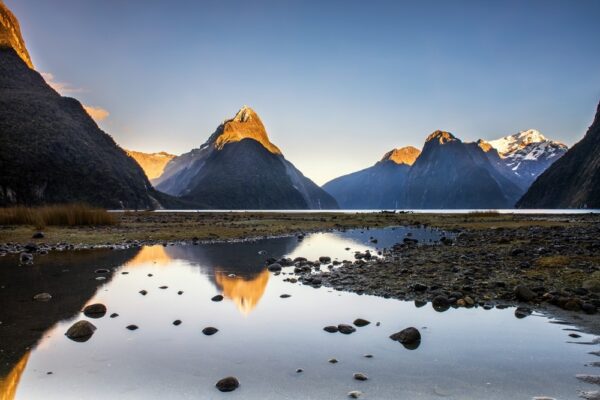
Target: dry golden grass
(57, 215)
(484, 213)
(552, 262)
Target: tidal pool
(263, 339)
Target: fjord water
(263, 339)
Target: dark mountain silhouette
(380, 186)
(574, 180)
(239, 168)
(51, 151)
(451, 174)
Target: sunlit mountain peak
(403, 155)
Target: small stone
(143, 292)
(209, 331)
(42, 297)
(150, 275)
(346, 329)
(132, 327)
(324, 260)
(163, 287)
(180, 292)
(361, 322)
(38, 235)
(331, 329)
(355, 394)
(97, 310)
(26, 258)
(177, 322)
(332, 361)
(285, 296)
(299, 370)
(114, 315)
(523, 293)
(407, 336)
(359, 376)
(217, 298)
(228, 384)
(275, 267)
(81, 331)
(522, 312)
(102, 271)
(368, 355)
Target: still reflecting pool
(262, 339)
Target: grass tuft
(57, 215)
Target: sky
(336, 83)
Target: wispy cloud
(99, 114)
(60, 87)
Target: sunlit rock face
(245, 125)
(239, 168)
(573, 181)
(153, 164)
(403, 155)
(245, 293)
(10, 34)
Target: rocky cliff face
(403, 155)
(573, 181)
(10, 35)
(153, 164)
(239, 168)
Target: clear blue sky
(336, 83)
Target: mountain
(573, 181)
(525, 155)
(451, 174)
(153, 164)
(380, 186)
(51, 151)
(239, 168)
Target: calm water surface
(263, 339)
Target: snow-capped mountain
(527, 154)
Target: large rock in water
(239, 168)
(574, 180)
(380, 186)
(51, 150)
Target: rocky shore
(534, 268)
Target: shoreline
(551, 259)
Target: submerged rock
(346, 329)
(97, 310)
(359, 376)
(361, 322)
(228, 384)
(275, 267)
(42, 297)
(209, 331)
(81, 331)
(407, 336)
